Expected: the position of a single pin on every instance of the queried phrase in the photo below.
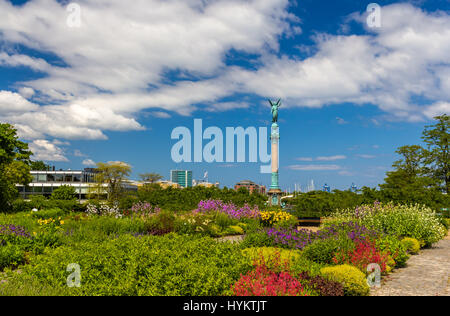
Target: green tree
(150, 177)
(412, 160)
(110, 177)
(437, 155)
(14, 164)
(39, 166)
(64, 192)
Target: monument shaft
(275, 191)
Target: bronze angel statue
(275, 107)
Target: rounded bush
(412, 245)
(353, 280)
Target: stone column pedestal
(275, 192)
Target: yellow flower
(61, 222)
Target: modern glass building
(182, 177)
(44, 182)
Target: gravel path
(426, 274)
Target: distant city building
(326, 188)
(311, 186)
(168, 184)
(182, 177)
(206, 184)
(251, 186)
(162, 183)
(353, 188)
(45, 182)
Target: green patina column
(275, 191)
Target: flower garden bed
(148, 251)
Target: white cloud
(122, 50)
(23, 60)
(26, 92)
(78, 153)
(11, 103)
(322, 158)
(58, 142)
(304, 159)
(27, 133)
(331, 158)
(44, 150)
(437, 109)
(341, 121)
(314, 167)
(365, 156)
(120, 163)
(345, 173)
(89, 163)
(160, 114)
(404, 59)
(226, 106)
(119, 63)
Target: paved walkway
(426, 274)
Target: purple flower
(227, 208)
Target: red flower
(264, 281)
(365, 253)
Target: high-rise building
(182, 177)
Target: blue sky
(114, 88)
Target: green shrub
(30, 287)
(396, 249)
(445, 222)
(412, 245)
(322, 251)
(302, 264)
(37, 201)
(40, 202)
(148, 265)
(11, 256)
(256, 239)
(235, 230)
(353, 280)
(20, 205)
(48, 213)
(98, 228)
(413, 221)
(223, 220)
(64, 192)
